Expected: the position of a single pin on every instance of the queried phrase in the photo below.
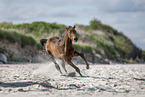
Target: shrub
(13, 36)
(83, 47)
(95, 24)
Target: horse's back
(54, 39)
(52, 42)
(52, 46)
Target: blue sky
(127, 16)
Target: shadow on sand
(70, 86)
(98, 77)
(24, 84)
(139, 79)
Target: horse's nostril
(76, 39)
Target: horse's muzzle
(76, 39)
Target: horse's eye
(70, 32)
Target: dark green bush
(13, 36)
(95, 24)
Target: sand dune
(43, 80)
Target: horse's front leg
(53, 60)
(83, 57)
(71, 64)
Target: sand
(43, 80)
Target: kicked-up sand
(43, 80)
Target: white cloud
(143, 40)
(139, 3)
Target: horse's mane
(61, 37)
(64, 33)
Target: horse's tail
(42, 41)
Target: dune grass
(14, 37)
(109, 43)
(83, 47)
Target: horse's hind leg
(53, 60)
(75, 67)
(63, 65)
(83, 57)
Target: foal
(63, 49)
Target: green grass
(109, 44)
(14, 37)
(38, 27)
(37, 30)
(143, 51)
(143, 54)
(83, 47)
(123, 45)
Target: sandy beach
(43, 80)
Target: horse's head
(72, 34)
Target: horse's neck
(69, 42)
(65, 41)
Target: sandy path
(43, 80)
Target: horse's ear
(74, 26)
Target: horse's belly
(55, 52)
(59, 56)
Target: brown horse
(62, 48)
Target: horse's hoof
(87, 67)
(81, 75)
